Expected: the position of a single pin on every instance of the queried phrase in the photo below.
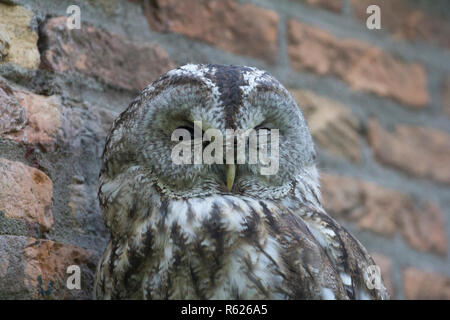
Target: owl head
(197, 98)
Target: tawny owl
(220, 230)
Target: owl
(220, 230)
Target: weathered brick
(385, 211)
(36, 269)
(423, 152)
(113, 59)
(26, 193)
(446, 96)
(362, 66)
(46, 123)
(48, 261)
(405, 20)
(421, 285)
(84, 127)
(332, 5)
(425, 224)
(18, 43)
(43, 119)
(12, 114)
(385, 264)
(332, 125)
(239, 28)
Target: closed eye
(267, 127)
(190, 128)
(263, 127)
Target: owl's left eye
(263, 126)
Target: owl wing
(356, 268)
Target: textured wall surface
(377, 103)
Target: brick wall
(377, 103)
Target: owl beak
(231, 173)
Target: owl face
(219, 97)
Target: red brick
(29, 118)
(108, 57)
(363, 66)
(46, 123)
(405, 20)
(33, 268)
(239, 28)
(331, 5)
(424, 229)
(43, 120)
(26, 193)
(49, 260)
(332, 125)
(385, 212)
(421, 285)
(422, 152)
